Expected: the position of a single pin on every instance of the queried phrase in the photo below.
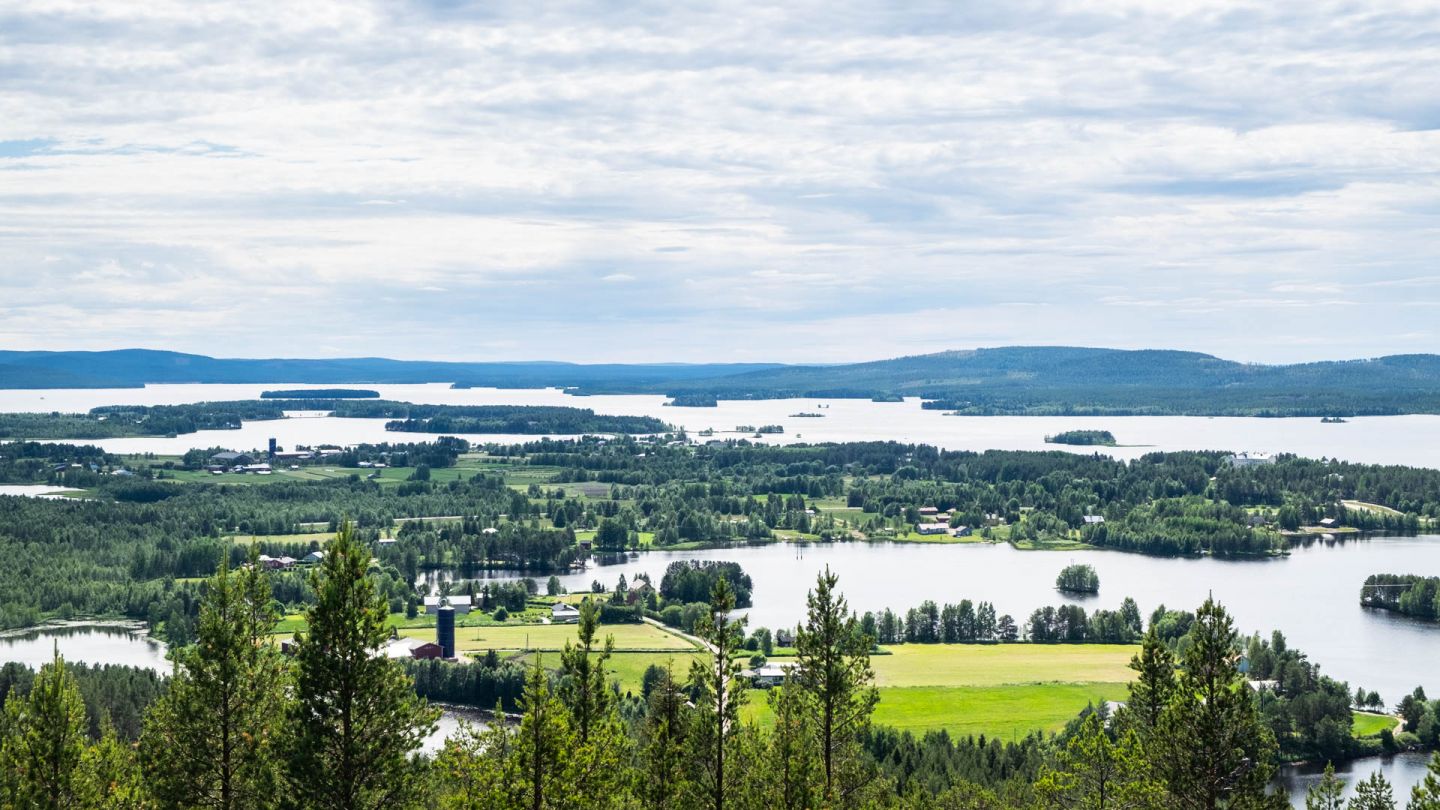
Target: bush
(500, 614)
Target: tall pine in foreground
(715, 738)
(833, 675)
(211, 740)
(355, 720)
(1328, 793)
(1213, 749)
(44, 752)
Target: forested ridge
(112, 421)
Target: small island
(694, 401)
(1333, 420)
(887, 398)
(763, 429)
(1101, 438)
(321, 393)
(1078, 578)
(805, 415)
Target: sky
(688, 181)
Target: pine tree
(211, 740)
(1093, 773)
(1426, 795)
(476, 770)
(794, 775)
(601, 751)
(582, 686)
(1372, 794)
(1153, 685)
(114, 774)
(1213, 750)
(44, 747)
(355, 719)
(1328, 793)
(715, 728)
(834, 676)
(662, 751)
(542, 748)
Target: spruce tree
(833, 675)
(211, 740)
(355, 720)
(715, 729)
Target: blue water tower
(445, 630)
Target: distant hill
(1035, 380)
(1040, 380)
(135, 367)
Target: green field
(1007, 712)
(1370, 725)
(910, 665)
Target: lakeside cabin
(562, 613)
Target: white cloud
(1203, 175)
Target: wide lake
(1410, 440)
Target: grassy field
(910, 665)
(1370, 725)
(1007, 712)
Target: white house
(1250, 459)
(313, 557)
(932, 528)
(768, 675)
(564, 614)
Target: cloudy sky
(804, 181)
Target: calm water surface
(91, 643)
(1411, 440)
(1312, 595)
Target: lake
(1312, 595)
(35, 490)
(1410, 440)
(96, 643)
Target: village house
(932, 528)
(562, 613)
(1249, 459)
(1094, 520)
(767, 675)
(412, 648)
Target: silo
(445, 630)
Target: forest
(116, 421)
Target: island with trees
(321, 393)
(1078, 578)
(1102, 438)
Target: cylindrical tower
(445, 630)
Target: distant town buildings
(1250, 459)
